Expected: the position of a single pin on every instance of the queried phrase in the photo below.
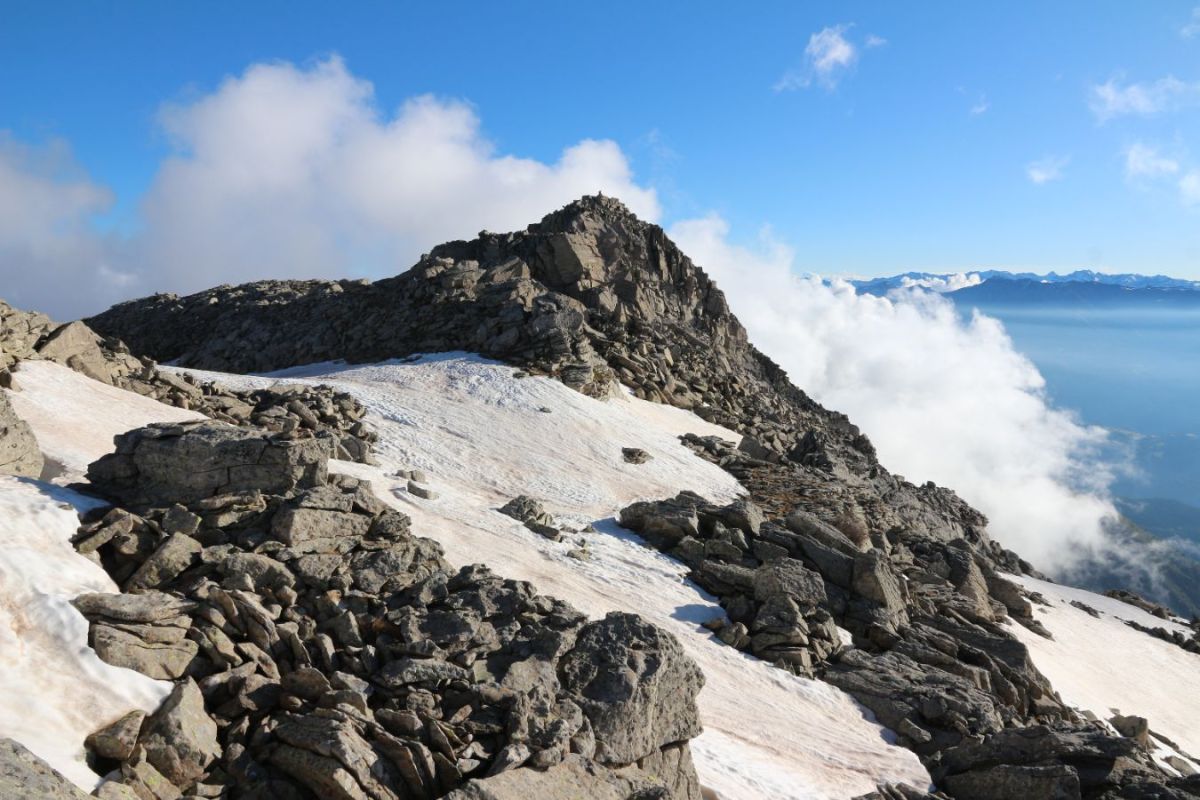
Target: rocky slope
(321, 649)
(592, 296)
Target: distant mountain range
(1023, 284)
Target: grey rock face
(636, 686)
(19, 453)
(165, 463)
(180, 738)
(590, 295)
(572, 778)
(22, 774)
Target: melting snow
(1106, 667)
(483, 436)
(54, 690)
(75, 418)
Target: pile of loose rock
(776, 606)
(593, 296)
(931, 659)
(320, 649)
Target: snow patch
(54, 689)
(75, 418)
(483, 436)
(1106, 667)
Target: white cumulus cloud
(50, 255)
(1143, 161)
(283, 172)
(293, 172)
(827, 56)
(942, 399)
(1047, 169)
(1113, 99)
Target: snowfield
(483, 436)
(75, 418)
(54, 689)
(1104, 666)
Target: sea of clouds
(286, 171)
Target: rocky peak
(597, 252)
(590, 295)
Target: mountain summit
(825, 564)
(590, 295)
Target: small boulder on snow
(635, 455)
(529, 511)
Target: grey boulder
(636, 686)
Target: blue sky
(914, 148)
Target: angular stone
(573, 778)
(313, 530)
(264, 574)
(405, 671)
(168, 463)
(1008, 781)
(180, 739)
(791, 578)
(117, 740)
(77, 346)
(172, 557)
(329, 757)
(154, 660)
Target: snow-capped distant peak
(954, 281)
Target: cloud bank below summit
(295, 172)
(942, 399)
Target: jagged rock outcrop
(320, 649)
(777, 606)
(19, 453)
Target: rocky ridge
(828, 537)
(297, 411)
(320, 649)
